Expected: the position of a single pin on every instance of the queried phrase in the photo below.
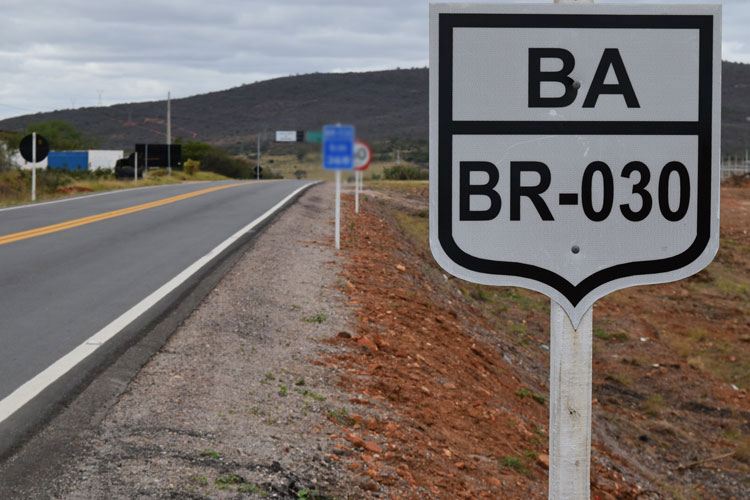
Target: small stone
(355, 440)
(543, 460)
(372, 446)
(367, 343)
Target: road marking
(36, 385)
(82, 197)
(31, 233)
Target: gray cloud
(61, 54)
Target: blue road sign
(338, 147)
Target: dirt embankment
(464, 370)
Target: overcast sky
(60, 54)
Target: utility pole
(257, 167)
(169, 135)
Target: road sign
(362, 155)
(314, 136)
(566, 154)
(286, 136)
(338, 146)
(26, 146)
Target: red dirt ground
(459, 372)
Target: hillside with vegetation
(382, 105)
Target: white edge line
(44, 379)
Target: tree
(9, 142)
(62, 136)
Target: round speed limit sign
(362, 156)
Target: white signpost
(362, 159)
(574, 150)
(338, 155)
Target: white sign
(286, 136)
(574, 154)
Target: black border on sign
(447, 128)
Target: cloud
(61, 54)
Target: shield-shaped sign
(567, 154)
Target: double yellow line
(32, 233)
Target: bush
(221, 163)
(405, 173)
(191, 166)
(300, 174)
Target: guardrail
(731, 168)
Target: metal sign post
(362, 159)
(33, 148)
(135, 167)
(575, 162)
(338, 155)
(33, 166)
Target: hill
(382, 104)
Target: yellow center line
(31, 233)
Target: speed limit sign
(569, 156)
(362, 155)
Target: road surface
(76, 273)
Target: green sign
(314, 136)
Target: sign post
(33, 166)
(338, 155)
(362, 159)
(33, 148)
(569, 157)
(570, 377)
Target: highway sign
(26, 146)
(569, 156)
(362, 155)
(338, 146)
(286, 136)
(314, 136)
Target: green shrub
(405, 173)
(191, 166)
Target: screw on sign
(569, 157)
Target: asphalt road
(96, 257)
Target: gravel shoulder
(232, 404)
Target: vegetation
(213, 159)
(405, 173)
(62, 136)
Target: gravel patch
(235, 404)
